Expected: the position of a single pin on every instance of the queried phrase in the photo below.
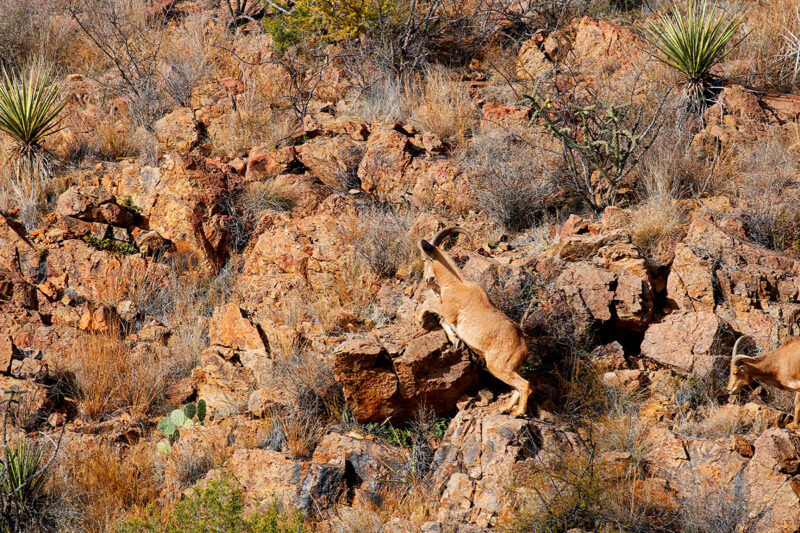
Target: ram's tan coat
(466, 314)
(780, 369)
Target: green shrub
(692, 42)
(217, 507)
(327, 20)
(29, 108)
(111, 245)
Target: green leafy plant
(30, 105)
(170, 426)
(326, 20)
(692, 42)
(127, 202)
(217, 507)
(111, 245)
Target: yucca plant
(30, 105)
(23, 477)
(692, 41)
(24, 471)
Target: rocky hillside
(227, 220)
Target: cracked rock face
(474, 467)
(394, 373)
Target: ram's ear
(427, 249)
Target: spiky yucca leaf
(23, 478)
(30, 105)
(693, 41)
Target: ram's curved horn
(449, 230)
(739, 358)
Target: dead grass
(510, 177)
(716, 506)
(761, 57)
(182, 298)
(187, 53)
(188, 462)
(381, 239)
(655, 221)
(105, 484)
(411, 504)
(108, 374)
(29, 30)
(245, 208)
(382, 101)
(260, 115)
(767, 190)
(24, 197)
(314, 399)
(442, 106)
(714, 421)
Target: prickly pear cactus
(170, 426)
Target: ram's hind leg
(793, 425)
(519, 396)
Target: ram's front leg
(429, 314)
(451, 334)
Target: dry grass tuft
(443, 106)
(104, 485)
(511, 181)
(413, 507)
(109, 374)
(768, 191)
(382, 241)
(314, 399)
(762, 57)
(714, 421)
(382, 101)
(655, 221)
(246, 207)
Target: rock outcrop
(391, 375)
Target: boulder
(17, 254)
(383, 167)
(183, 202)
(755, 290)
(690, 284)
(374, 464)
(7, 353)
(266, 476)
(265, 162)
(333, 160)
(531, 60)
(224, 385)
(695, 342)
(476, 462)
(755, 491)
(178, 130)
(99, 320)
(92, 204)
(306, 253)
(601, 46)
(773, 482)
(599, 296)
(231, 328)
(392, 377)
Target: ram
(780, 369)
(467, 315)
